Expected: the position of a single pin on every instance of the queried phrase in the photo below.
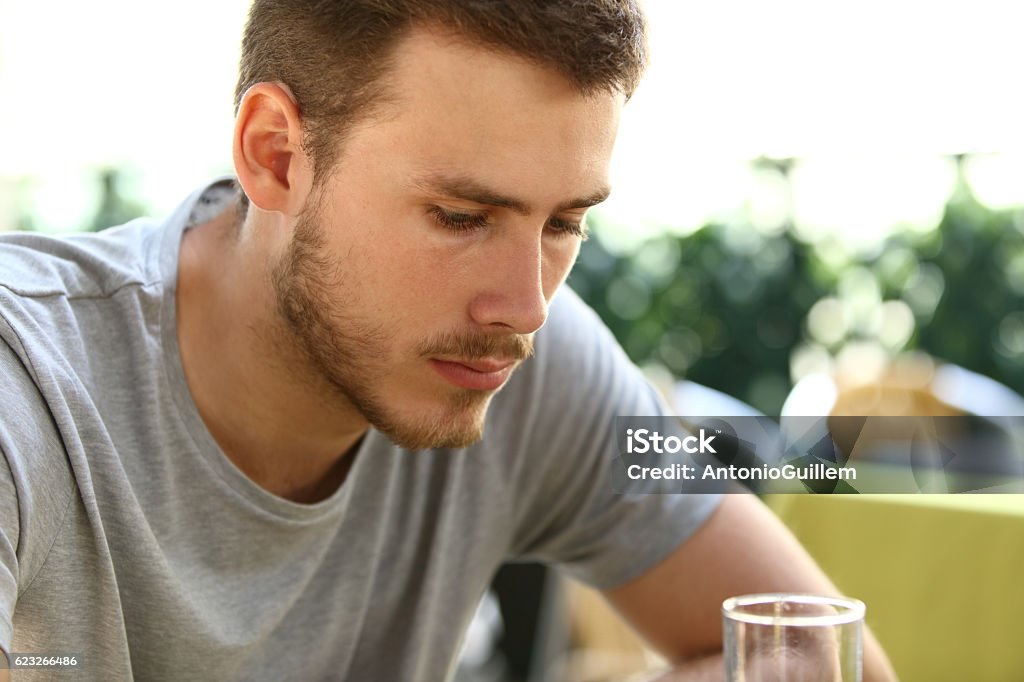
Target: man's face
(421, 268)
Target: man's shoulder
(77, 311)
(78, 265)
(64, 296)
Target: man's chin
(453, 429)
(431, 439)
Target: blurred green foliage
(728, 306)
(978, 323)
(115, 207)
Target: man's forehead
(430, 57)
(467, 122)
(428, 44)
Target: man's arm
(742, 549)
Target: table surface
(942, 575)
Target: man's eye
(568, 227)
(457, 221)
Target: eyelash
(467, 222)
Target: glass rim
(852, 609)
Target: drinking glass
(793, 638)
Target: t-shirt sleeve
(9, 532)
(35, 485)
(567, 513)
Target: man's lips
(486, 365)
(487, 374)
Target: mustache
(479, 346)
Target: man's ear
(270, 163)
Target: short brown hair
(332, 53)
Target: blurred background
(807, 196)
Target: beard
(347, 354)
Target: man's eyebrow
(467, 189)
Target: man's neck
(282, 433)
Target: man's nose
(513, 293)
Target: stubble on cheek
(338, 350)
(316, 307)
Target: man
(290, 432)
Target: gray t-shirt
(127, 536)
